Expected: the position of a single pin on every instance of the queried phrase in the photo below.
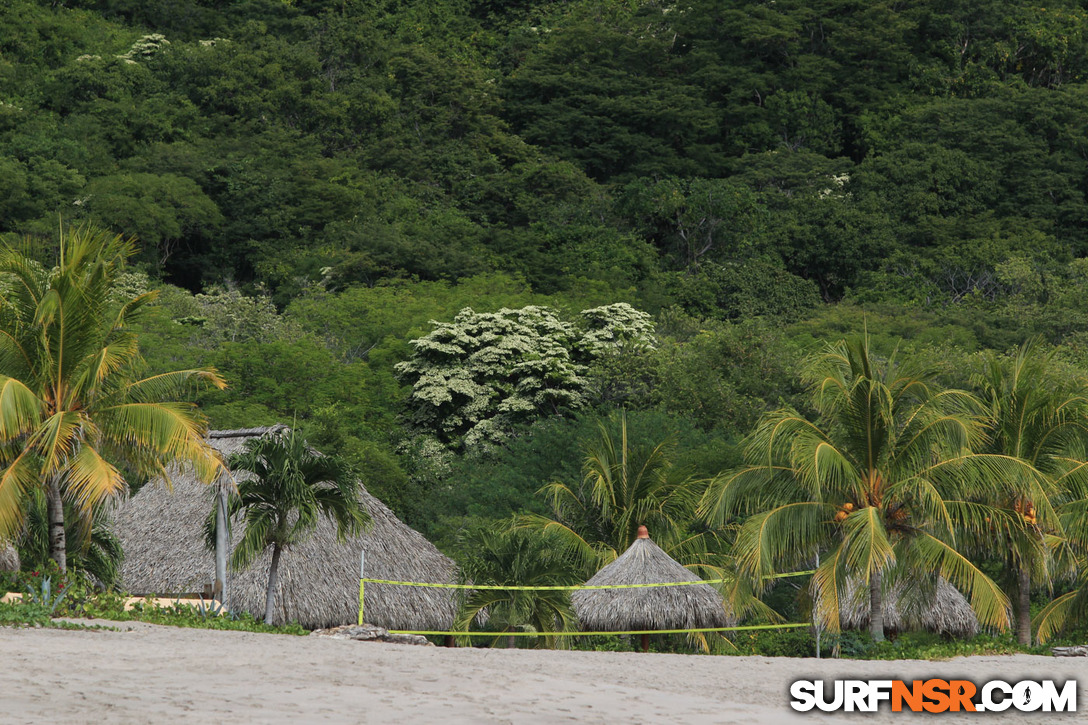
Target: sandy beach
(150, 673)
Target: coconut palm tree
(880, 485)
(516, 556)
(74, 409)
(1072, 606)
(624, 486)
(289, 488)
(1040, 415)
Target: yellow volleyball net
(363, 581)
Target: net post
(362, 575)
(816, 614)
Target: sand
(150, 673)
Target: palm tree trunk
(1023, 609)
(273, 575)
(58, 544)
(876, 607)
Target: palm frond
(990, 603)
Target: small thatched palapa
(940, 608)
(693, 606)
(162, 535)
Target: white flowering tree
(613, 327)
(476, 378)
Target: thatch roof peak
(162, 536)
(684, 607)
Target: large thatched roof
(908, 606)
(162, 535)
(684, 607)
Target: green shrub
(787, 643)
(16, 614)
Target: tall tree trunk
(876, 607)
(1023, 609)
(222, 543)
(58, 544)
(273, 575)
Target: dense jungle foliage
(611, 205)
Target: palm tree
(1065, 609)
(290, 487)
(1071, 606)
(515, 556)
(97, 552)
(1038, 415)
(879, 486)
(74, 410)
(623, 487)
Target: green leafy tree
(804, 121)
(75, 413)
(611, 328)
(693, 220)
(476, 378)
(725, 375)
(289, 487)
(743, 290)
(607, 91)
(483, 372)
(882, 484)
(162, 210)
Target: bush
(860, 645)
(17, 614)
(787, 643)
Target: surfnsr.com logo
(934, 695)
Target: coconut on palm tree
(288, 488)
(1037, 414)
(74, 407)
(883, 481)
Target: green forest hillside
(604, 205)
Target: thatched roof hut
(9, 557)
(162, 535)
(940, 608)
(685, 607)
